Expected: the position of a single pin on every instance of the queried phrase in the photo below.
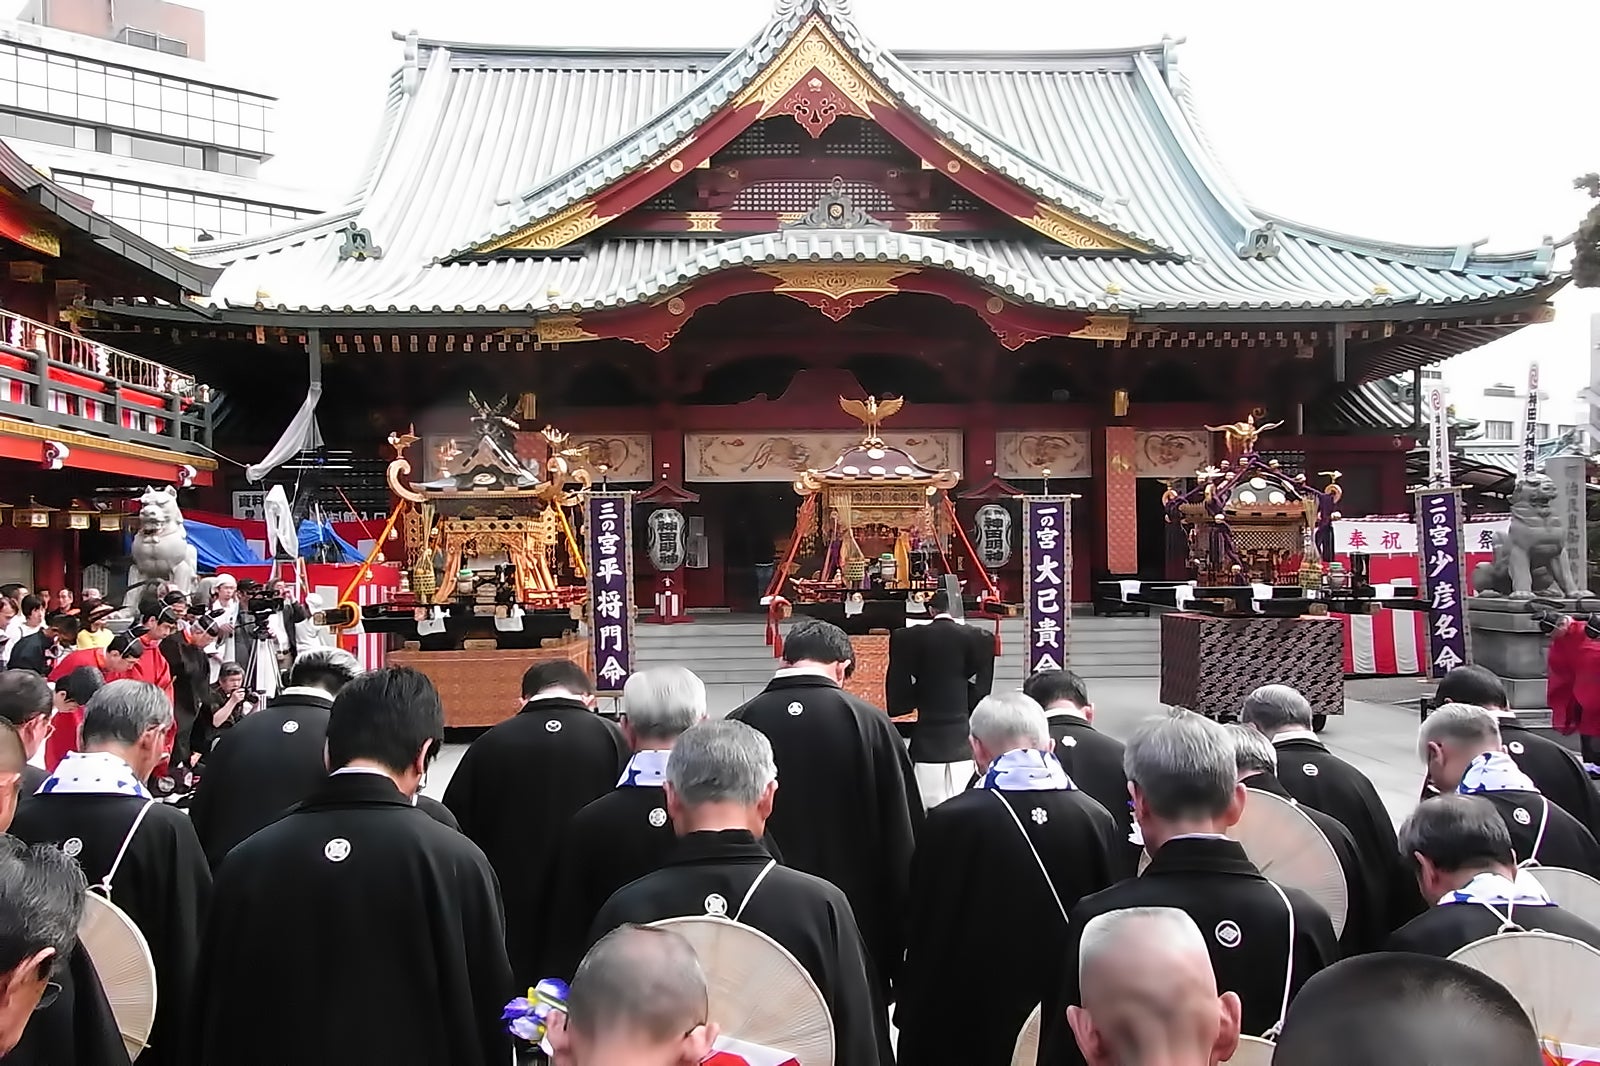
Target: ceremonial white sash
(1494, 771)
(647, 769)
(94, 772)
(1492, 892)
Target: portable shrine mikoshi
(1261, 548)
(494, 578)
(875, 534)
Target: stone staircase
(731, 655)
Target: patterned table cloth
(1210, 663)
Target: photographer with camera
(229, 701)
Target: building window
(1541, 430)
(1497, 431)
(169, 217)
(1433, 375)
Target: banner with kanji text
(1440, 557)
(1047, 581)
(608, 533)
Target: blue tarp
(219, 547)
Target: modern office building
(115, 101)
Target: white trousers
(938, 781)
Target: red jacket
(1575, 681)
(152, 667)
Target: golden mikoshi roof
(873, 462)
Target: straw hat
(1026, 1053)
(1553, 977)
(121, 957)
(1573, 891)
(757, 991)
(1289, 849)
(1252, 1051)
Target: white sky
(1413, 120)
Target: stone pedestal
(1507, 641)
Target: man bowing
(1026, 843)
(357, 929)
(849, 809)
(519, 783)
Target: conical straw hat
(1553, 977)
(122, 959)
(758, 991)
(1252, 1051)
(1573, 891)
(1026, 1052)
(1289, 849)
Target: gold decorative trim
(1105, 328)
(1075, 232)
(836, 282)
(12, 428)
(814, 47)
(922, 221)
(994, 305)
(558, 230)
(558, 329)
(705, 221)
(675, 306)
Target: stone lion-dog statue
(1530, 558)
(161, 552)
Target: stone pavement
(1377, 732)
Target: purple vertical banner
(1047, 581)
(1440, 557)
(608, 529)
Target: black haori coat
(713, 872)
(1317, 778)
(259, 768)
(1094, 762)
(514, 792)
(847, 808)
(973, 875)
(163, 884)
(1566, 843)
(355, 929)
(1446, 929)
(1364, 887)
(940, 670)
(1241, 916)
(1555, 772)
(77, 1029)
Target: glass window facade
(1495, 430)
(94, 92)
(169, 217)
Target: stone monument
(1541, 560)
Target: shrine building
(684, 258)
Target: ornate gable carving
(814, 54)
(835, 211)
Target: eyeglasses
(52, 992)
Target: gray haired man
(271, 759)
(1319, 779)
(1461, 747)
(1027, 842)
(626, 833)
(1183, 774)
(41, 902)
(720, 784)
(144, 854)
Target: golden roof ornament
(872, 413)
(1242, 436)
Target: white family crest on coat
(1310, 769)
(552, 726)
(1228, 933)
(658, 817)
(1040, 816)
(796, 708)
(336, 850)
(716, 905)
(291, 726)
(161, 550)
(1515, 747)
(72, 847)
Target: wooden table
(1210, 663)
(481, 687)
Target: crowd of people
(311, 905)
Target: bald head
(638, 983)
(1395, 1009)
(1146, 983)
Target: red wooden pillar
(1093, 536)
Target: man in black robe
(1258, 772)
(939, 670)
(1463, 751)
(624, 834)
(95, 808)
(1394, 1009)
(1554, 769)
(518, 785)
(1185, 793)
(356, 929)
(1092, 759)
(271, 759)
(27, 703)
(1317, 778)
(1025, 842)
(849, 811)
(720, 785)
(77, 1027)
(1467, 870)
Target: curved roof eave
(638, 148)
(1461, 258)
